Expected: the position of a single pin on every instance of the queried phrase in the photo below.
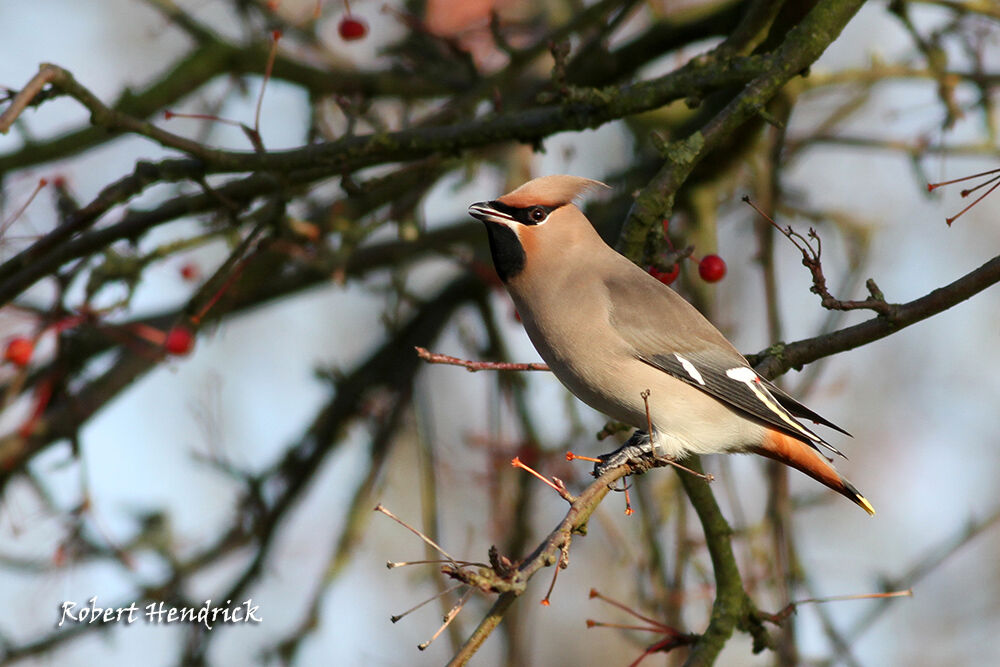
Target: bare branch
(24, 97)
(780, 358)
(473, 366)
(811, 248)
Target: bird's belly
(601, 369)
(685, 420)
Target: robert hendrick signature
(159, 612)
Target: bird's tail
(802, 457)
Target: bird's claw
(637, 452)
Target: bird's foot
(637, 452)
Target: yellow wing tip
(865, 505)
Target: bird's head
(536, 219)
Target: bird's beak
(485, 212)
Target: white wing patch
(690, 369)
(742, 374)
(749, 377)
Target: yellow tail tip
(865, 505)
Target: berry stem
(42, 182)
(275, 36)
(979, 199)
(933, 186)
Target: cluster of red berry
(351, 29)
(178, 341)
(19, 351)
(711, 268)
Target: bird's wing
(668, 333)
(799, 410)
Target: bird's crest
(552, 191)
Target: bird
(630, 347)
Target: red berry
(712, 268)
(179, 340)
(352, 29)
(19, 351)
(190, 271)
(665, 277)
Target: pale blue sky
(922, 405)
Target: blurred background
(251, 464)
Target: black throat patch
(508, 255)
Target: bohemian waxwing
(611, 332)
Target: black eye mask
(528, 215)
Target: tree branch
(512, 584)
(781, 357)
(802, 46)
(473, 366)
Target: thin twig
(473, 366)
(513, 584)
(427, 540)
(45, 75)
(792, 607)
(398, 617)
(811, 248)
(449, 617)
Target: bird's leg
(638, 452)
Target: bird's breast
(572, 333)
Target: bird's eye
(537, 214)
